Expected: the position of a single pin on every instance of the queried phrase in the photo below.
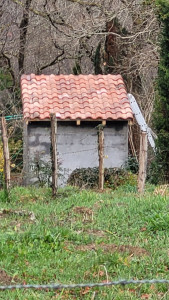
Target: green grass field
(84, 236)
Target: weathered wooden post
(25, 153)
(142, 162)
(6, 154)
(101, 156)
(54, 154)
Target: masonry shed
(80, 103)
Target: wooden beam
(65, 120)
(130, 122)
(54, 154)
(78, 122)
(142, 162)
(6, 155)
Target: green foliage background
(161, 115)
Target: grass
(84, 236)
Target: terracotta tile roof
(75, 97)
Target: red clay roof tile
(75, 97)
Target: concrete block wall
(77, 146)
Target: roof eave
(82, 120)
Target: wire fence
(14, 124)
(14, 127)
(86, 148)
(42, 159)
(57, 286)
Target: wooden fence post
(142, 162)
(54, 154)
(6, 154)
(25, 154)
(101, 156)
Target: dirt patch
(96, 232)
(87, 247)
(5, 279)
(126, 248)
(82, 210)
(111, 248)
(85, 212)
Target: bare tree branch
(63, 33)
(53, 62)
(36, 12)
(87, 3)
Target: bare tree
(82, 36)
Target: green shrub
(132, 165)
(113, 177)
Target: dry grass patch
(111, 248)
(5, 279)
(85, 212)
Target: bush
(132, 165)
(113, 178)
